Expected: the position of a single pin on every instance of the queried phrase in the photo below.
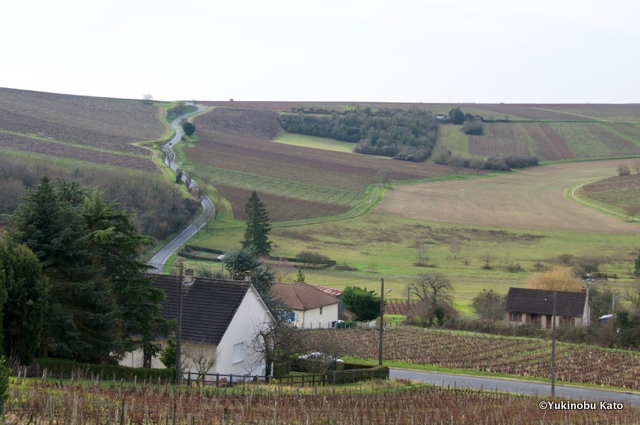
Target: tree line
(158, 207)
(402, 134)
(75, 287)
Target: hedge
(64, 368)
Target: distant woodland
(402, 134)
(159, 207)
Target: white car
(221, 257)
(320, 356)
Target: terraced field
(300, 182)
(97, 130)
(529, 199)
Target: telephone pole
(179, 329)
(381, 321)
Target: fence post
(302, 381)
(217, 380)
(189, 378)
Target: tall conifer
(256, 234)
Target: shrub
(473, 127)
(314, 258)
(624, 170)
(565, 259)
(63, 367)
(514, 268)
(189, 128)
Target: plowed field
(329, 180)
(27, 144)
(263, 125)
(529, 199)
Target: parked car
(316, 355)
(221, 257)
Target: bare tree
(279, 343)
(147, 98)
(631, 211)
(455, 247)
(282, 269)
(477, 164)
(456, 162)
(487, 258)
(203, 358)
(624, 170)
(383, 176)
(331, 345)
(433, 289)
(558, 278)
(423, 254)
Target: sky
(560, 51)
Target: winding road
(208, 209)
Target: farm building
(307, 307)
(219, 321)
(535, 307)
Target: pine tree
(300, 277)
(27, 293)
(257, 232)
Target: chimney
(189, 278)
(247, 276)
(583, 289)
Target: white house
(307, 307)
(219, 320)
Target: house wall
(313, 318)
(578, 321)
(251, 315)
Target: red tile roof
(331, 291)
(302, 296)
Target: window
(238, 352)
(321, 311)
(284, 314)
(293, 316)
(515, 317)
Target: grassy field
(381, 245)
(314, 142)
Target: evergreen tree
(115, 243)
(363, 303)
(26, 291)
(257, 232)
(98, 299)
(300, 277)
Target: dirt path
(529, 199)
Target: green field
(380, 245)
(314, 142)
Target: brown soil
(614, 183)
(529, 199)
(262, 125)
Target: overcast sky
(326, 50)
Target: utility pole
(179, 329)
(553, 347)
(381, 320)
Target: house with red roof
(306, 306)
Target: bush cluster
(403, 134)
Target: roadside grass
(616, 199)
(468, 372)
(379, 245)
(313, 142)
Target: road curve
(514, 386)
(208, 209)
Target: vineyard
(594, 141)
(48, 123)
(150, 403)
(514, 356)
(60, 150)
(332, 181)
(613, 183)
(253, 124)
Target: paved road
(513, 386)
(208, 209)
